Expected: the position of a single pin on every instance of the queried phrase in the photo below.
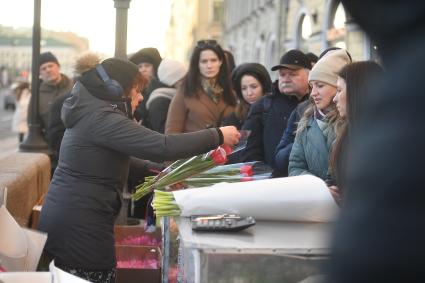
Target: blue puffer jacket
(283, 149)
(310, 152)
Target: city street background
(8, 139)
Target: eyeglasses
(207, 43)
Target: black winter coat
(141, 112)
(267, 119)
(380, 234)
(85, 193)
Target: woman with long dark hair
(352, 84)
(206, 96)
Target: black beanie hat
(123, 71)
(312, 57)
(256, 70)
(48, 57)
(147, 55)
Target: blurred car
(9, 101)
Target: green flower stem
(175, 173)
(164, 204)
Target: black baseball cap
(293, 59)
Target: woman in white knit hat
(170, 73)
(315, 132)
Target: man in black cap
(268, 117)
(53, 85)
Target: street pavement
(8, 140)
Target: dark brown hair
(192, 80)
(358, 77)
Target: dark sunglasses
(207, 43)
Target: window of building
(337, 29)
(217, 11)
(271, 54)
(304, 32)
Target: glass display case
(267, 252)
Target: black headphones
(115, 89)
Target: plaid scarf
(212, 89)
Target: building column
(35, 141)
(121, 28)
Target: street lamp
(121, 28)
(34, 141)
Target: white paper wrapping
(55, 275)
(20, 248)
(302, 198)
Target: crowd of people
(118, 121)
(350, 123)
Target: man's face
(50, 73)
(146, 69)
(293, 82)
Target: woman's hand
(336, 194)
(231, 135)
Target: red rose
(227, 148)
(246, 170)
(219, 156)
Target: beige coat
(19, 120)
(190, 114)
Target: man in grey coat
(53, 85)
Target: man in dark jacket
(381, 232)
(267, 118)
(55, 128)
(53, 85)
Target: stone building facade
(263, 30)
(190, 21)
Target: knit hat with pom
(123, 71)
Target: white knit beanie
(327, 68)
(171, 71)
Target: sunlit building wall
(192, 20)
(262, 30)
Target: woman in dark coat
(84, 196)
(250, 81)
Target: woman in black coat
(250, 81)
(84, 196)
